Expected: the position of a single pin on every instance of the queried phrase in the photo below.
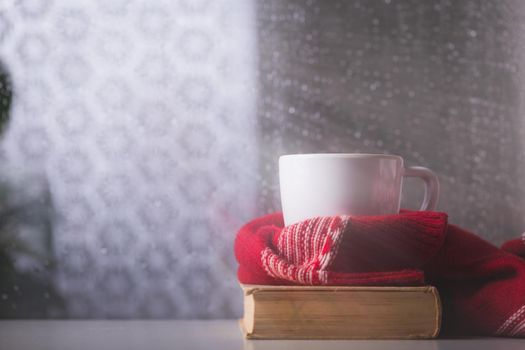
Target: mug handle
(431, 185)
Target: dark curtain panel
(437, 82)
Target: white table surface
(219, 335)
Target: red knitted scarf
(482, 287)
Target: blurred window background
(142, 134)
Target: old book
(308, 312)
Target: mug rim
(341, 155)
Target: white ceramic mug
(347, 184)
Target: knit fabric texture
(481, 286)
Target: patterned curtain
(140, 117)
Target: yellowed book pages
(308, 312)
